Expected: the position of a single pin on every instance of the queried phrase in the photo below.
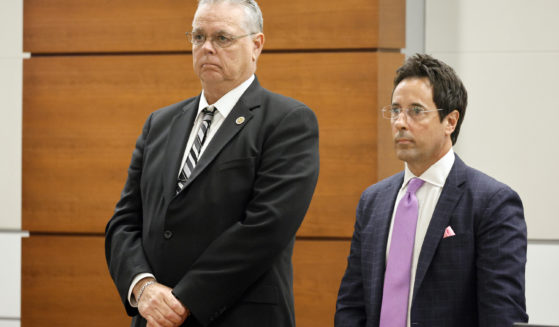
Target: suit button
(168, 234)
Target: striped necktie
(194, 153)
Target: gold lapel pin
(240, 120)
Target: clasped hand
(160, 307)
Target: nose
(208, 46)
(400, 122)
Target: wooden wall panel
(65, 281)
(388, 163)
(318, 270)
(341, 90)
(110, 63)
(64, 26)
(83, 114)
(81, 117)
(391, 24)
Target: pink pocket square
(448, 232)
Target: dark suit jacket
(224, 243)
(475, 278)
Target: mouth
(209, 65)
(402, 140)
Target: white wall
(415, 27)
(11, 58)
(507, 54)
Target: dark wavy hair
(448, 91)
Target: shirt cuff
(131, 297)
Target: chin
(211, 77)
(404, 154)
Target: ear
(450, 122)
(258, 44)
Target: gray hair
(254, 20)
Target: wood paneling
(64, 26)
(340, 88)
(318, 270)
(388, 163)
(391, 24)
(82, 116)
(65, 282)
(83, 113)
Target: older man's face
(224, 68)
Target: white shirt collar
(226, 103)
(436, 174)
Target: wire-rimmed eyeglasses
(416, 113)
(221, 40)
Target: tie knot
(414, 185)
(210, 110)
(208, 113)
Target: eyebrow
(201, 30)
(414, 104)
(222, 32)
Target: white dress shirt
(427, 196)
(223, 107)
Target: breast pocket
(233, 183)
(456, 252)
(239, 163)
(237, 173)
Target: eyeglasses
(221, 40)
(416, 113)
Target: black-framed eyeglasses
(416, 113)
(221, 40)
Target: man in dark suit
(217, 187)
(439, 244)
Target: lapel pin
(240, 120)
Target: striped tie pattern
(194, 153)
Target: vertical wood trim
(388, 164)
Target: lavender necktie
(395, 296)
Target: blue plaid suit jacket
(475, 278)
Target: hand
(160, 307)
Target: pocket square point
(448, 232)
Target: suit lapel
(228, 129)
(450, 195)
(380, 226)
(177, 139)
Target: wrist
(141, 288)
